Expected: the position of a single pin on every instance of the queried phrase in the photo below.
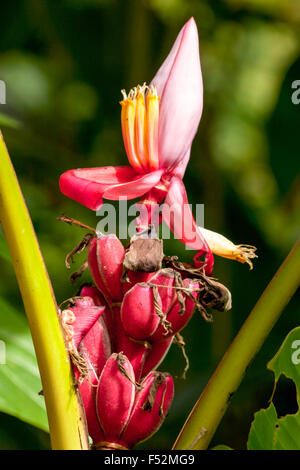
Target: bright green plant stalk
(66, 421)
(208, 411)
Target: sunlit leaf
(262, 430)
(268, 432)
(20, 382)
(287, 359)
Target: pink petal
(86, 313)
(88, 185)
(135, 188)
(178, 216)
(179, 169)
(163, 73)
(99, 300)
(179, 83)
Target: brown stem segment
(70, 221)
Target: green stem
(208, 411)
(66, 421)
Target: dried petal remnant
(221, 246)
(144, 255)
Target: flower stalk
(208, 411)
(66, 421)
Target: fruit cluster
(119, 330)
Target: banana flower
(159, 123)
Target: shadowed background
(64, 64)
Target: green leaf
(261, 436)
(287, 359)
(268, 432)
(20, 382)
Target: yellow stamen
(152, 128)
(139, 118)
(221, 246)
(141, 128)
(128, 120)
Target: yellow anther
(141, 129)
(139, 119)
(152, 128)
(128, 131)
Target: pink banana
(152, 311)
(105, 259)
(156, 355)
(150, 408)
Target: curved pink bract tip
(179, 83)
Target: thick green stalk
(66, 422)
(208, 411)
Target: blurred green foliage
(64, 64)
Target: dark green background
(64, 64)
